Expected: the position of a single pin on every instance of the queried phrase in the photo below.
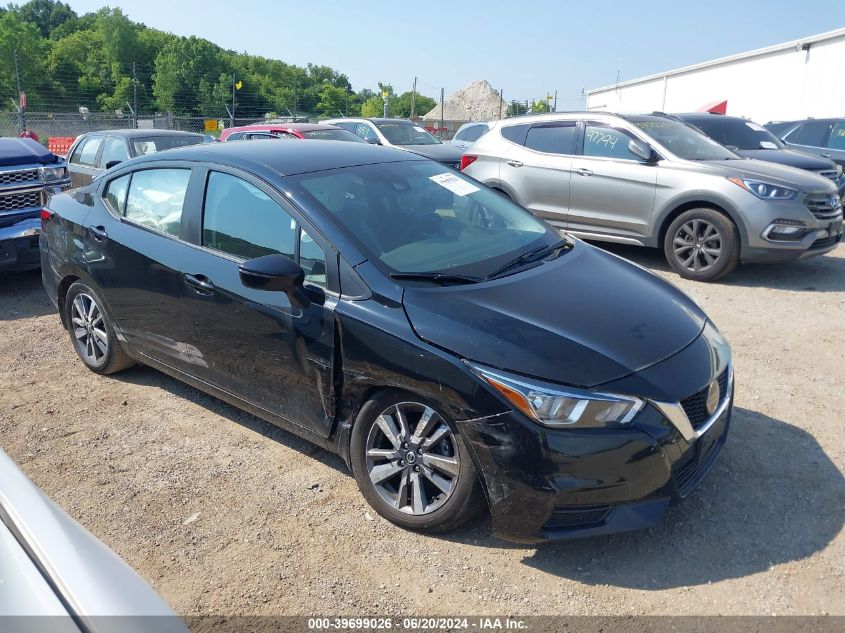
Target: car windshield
(683, 141)
(154, 144)
(406, 133)
(333, 135)
(738, 133)
(416, 216)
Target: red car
(289, 131)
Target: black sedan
(450, 346)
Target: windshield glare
(143, 146)
(683, 141)
(416, 216)
(745, 135)
(333, 135)
(406, 133)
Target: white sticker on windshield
(454, 184)
(755, 127)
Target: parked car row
(657, 180)
(822, 137)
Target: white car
(469, 133)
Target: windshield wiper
(535, 254)
(443, 278)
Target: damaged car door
(269, 348)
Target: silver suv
(653, 181)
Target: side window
(475, 132)
(516, 133)
(235, 137)
(113, 149)
(552, 139)
(607, 142)
(156, 197)
(365, 131)
(115, 193)
(837, 136)
(812, 134)
(88, 151)
(241, 220)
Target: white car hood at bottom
(48, 552)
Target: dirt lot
(223, 513)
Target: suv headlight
(765, 190)
(53, 174)
(559, 407)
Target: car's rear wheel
(91, 333)
(702, 244)
(412, 466)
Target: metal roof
(804, 41)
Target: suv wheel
(91, 333)
(411, 465)
(702, 244)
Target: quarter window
(607, 142)
(241, 220)
(115, 193)
(86, 153)
(516, 133)
(552, 139)
(156, 197)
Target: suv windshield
(682, 140)
(416, 216)
(406, 133)
(737, 133)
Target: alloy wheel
(697, 245)
(89, 329)
(412, 458)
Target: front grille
(687, 476)
(696, 405)
(824, 206)
(577, 517)
(832, 174)
(16, 201)
(826, 241)
(19, 177)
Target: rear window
(141, 146)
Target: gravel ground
(223, 513)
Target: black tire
(465, 500)
(87, 338)
(702, 245)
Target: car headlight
(559, 407)
(765, 190)
(53, 174)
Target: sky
(528, 49)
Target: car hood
(789, 157)
(583, 319)
(791, 177)
(443, 153)
(24, 151)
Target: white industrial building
(795, 80)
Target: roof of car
(707, 116)
(143, 133)
(298, 127)
(373, 119)
(283, 158)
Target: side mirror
(272, 272)
(372, 140)
(113, 163)
(641, 150)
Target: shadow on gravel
(772, 497)
(22, 296)
(820, 274)
(141, 375)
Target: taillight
(46, 214)
(467, 160)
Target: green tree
(25, 39)
(332, 101)
(401, 106)
(538, 107)
(188, 75)
(516, 108)
(372, 107)
(47, 15)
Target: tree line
(105, 62)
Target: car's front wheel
(412, 466)
(702, 244)
(91, 333)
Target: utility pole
(232, 113)
(501, 101)
(442, 123)
(346, 107)
(134, 97)
(386, 96)
(554, 107)
(414, 98)
(21, 106)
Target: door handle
(515, 163)
(99, 232)
(583, 172)
(200, 283)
